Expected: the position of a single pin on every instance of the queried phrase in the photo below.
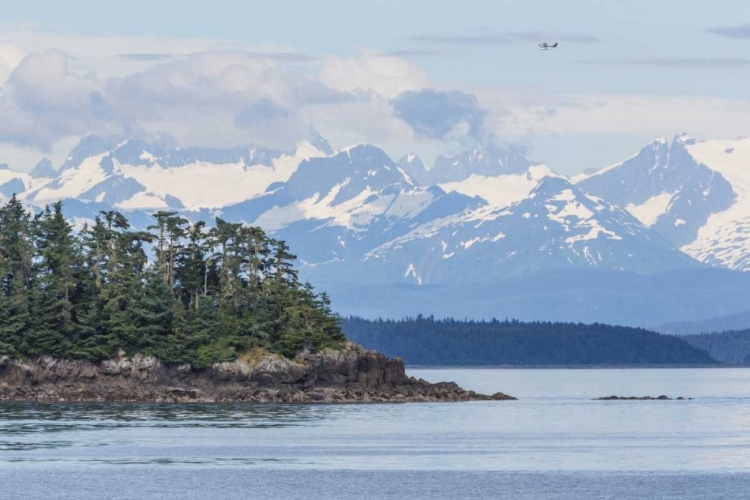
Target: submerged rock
(349, 375)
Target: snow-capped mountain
(342, 205)
(724, 240)
(485, 163)
(472, 223)
(412, 165)
(665, 187)
(503, 189)
(12, 182)
(134, 174)
(554, 227)
(695, 193)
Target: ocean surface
(555, 442)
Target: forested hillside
(427, 341)
(732, 347)
(206, 295)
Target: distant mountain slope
(732, 347)
(695, 193)
(412, 165)
(481, 233)
(725, 238)
(43, 170)
(12, 182)
(424, 341)
(555, 227)
(137, 175)
(503, 189)
(733, 322)
(574, 295)
(487, 163)
(666, 188)
(339, 207)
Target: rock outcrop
(350, 375)
(640, 398)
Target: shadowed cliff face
(351, 375)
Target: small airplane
(546, 46)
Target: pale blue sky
(660, 49)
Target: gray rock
(349, 375)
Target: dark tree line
(731, 347)
(179, 291)
(428, 341)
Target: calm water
(554, 443)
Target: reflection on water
(554, 435)
(166, 414)
(46, 420)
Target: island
(178, 312)
(348, 375)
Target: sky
(430, 77)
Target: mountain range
(663, 236)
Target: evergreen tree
(209, 295)
(150, 314)
(52, 329)
(16, 262)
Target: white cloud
(655, 115)
(10, 57)
(198, 92)
(385, 75)
(353, 122)
(54, 87)
(110, 56)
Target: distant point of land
(450, 342)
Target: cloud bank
(441, 114)
(210, 97)
(223, 94)
(742, 31)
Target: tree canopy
(730, 347)
(180, 291)
(429, 341)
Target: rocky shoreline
(350, 375)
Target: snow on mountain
(695, 193)
(501, 190)
(12, 182)
(556, 226)
(340, 206)
(724, 239)
(487, 163)
(666, 188)
(413, 166)
(137, 175)
(482, 232)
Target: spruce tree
(208, 296)
(16, 262)
(52, 330)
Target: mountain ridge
(357, 216)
